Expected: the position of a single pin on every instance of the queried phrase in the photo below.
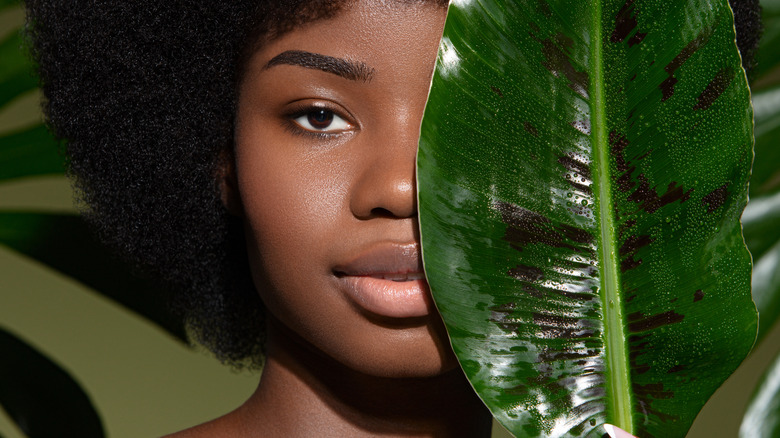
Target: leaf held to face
(582, 170)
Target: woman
(314, 171)
(260, 159)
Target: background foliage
(127, 357)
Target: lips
(387, 280)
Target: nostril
(381, 212)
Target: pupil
(320, 119)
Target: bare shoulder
(220, 427)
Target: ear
(228, 182)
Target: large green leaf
(582, 170)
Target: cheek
(294, 203)
(290, 199)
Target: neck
(303, 393)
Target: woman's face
(326, 138)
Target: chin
(412, 353)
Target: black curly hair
(144, 93)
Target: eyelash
(295, 128)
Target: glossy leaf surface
(582, 170)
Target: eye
(321, 120)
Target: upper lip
(383, 260)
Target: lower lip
(394, 299)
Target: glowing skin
(326, 137)
(315, 201)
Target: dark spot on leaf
(527, 273)
(639, 322)
(617, 144)
(676, 369)
(577, 296)
(579, 187)
(715, 88)
(633, 243)
(651, 390)
(497, 91)
(534, 292)
(654, 390)
(641, 369)
(624, 181)
(501, 315)
(558, 355)
(575, 166)
(636, 39)
(630, 246)
(558, 63)
(625, 226)
(698, 295)
(649, 200)
(576, 234)
(625, 23)
(714, 199)
(531, 129)
(561, 327)
(518, 390)
(667, 86)
(633, 77)
(543, 8)
(629, 264)
(526, 227)
(635, 350)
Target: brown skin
(315, 196)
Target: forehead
(360, 30)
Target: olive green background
(142, 381)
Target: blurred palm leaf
(42, 398)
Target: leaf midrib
(616, 351)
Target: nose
(386, 186)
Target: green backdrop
(145, 383)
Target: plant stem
(618, 381)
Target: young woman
(259, 157)
(291, 129)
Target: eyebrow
(352, 70)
